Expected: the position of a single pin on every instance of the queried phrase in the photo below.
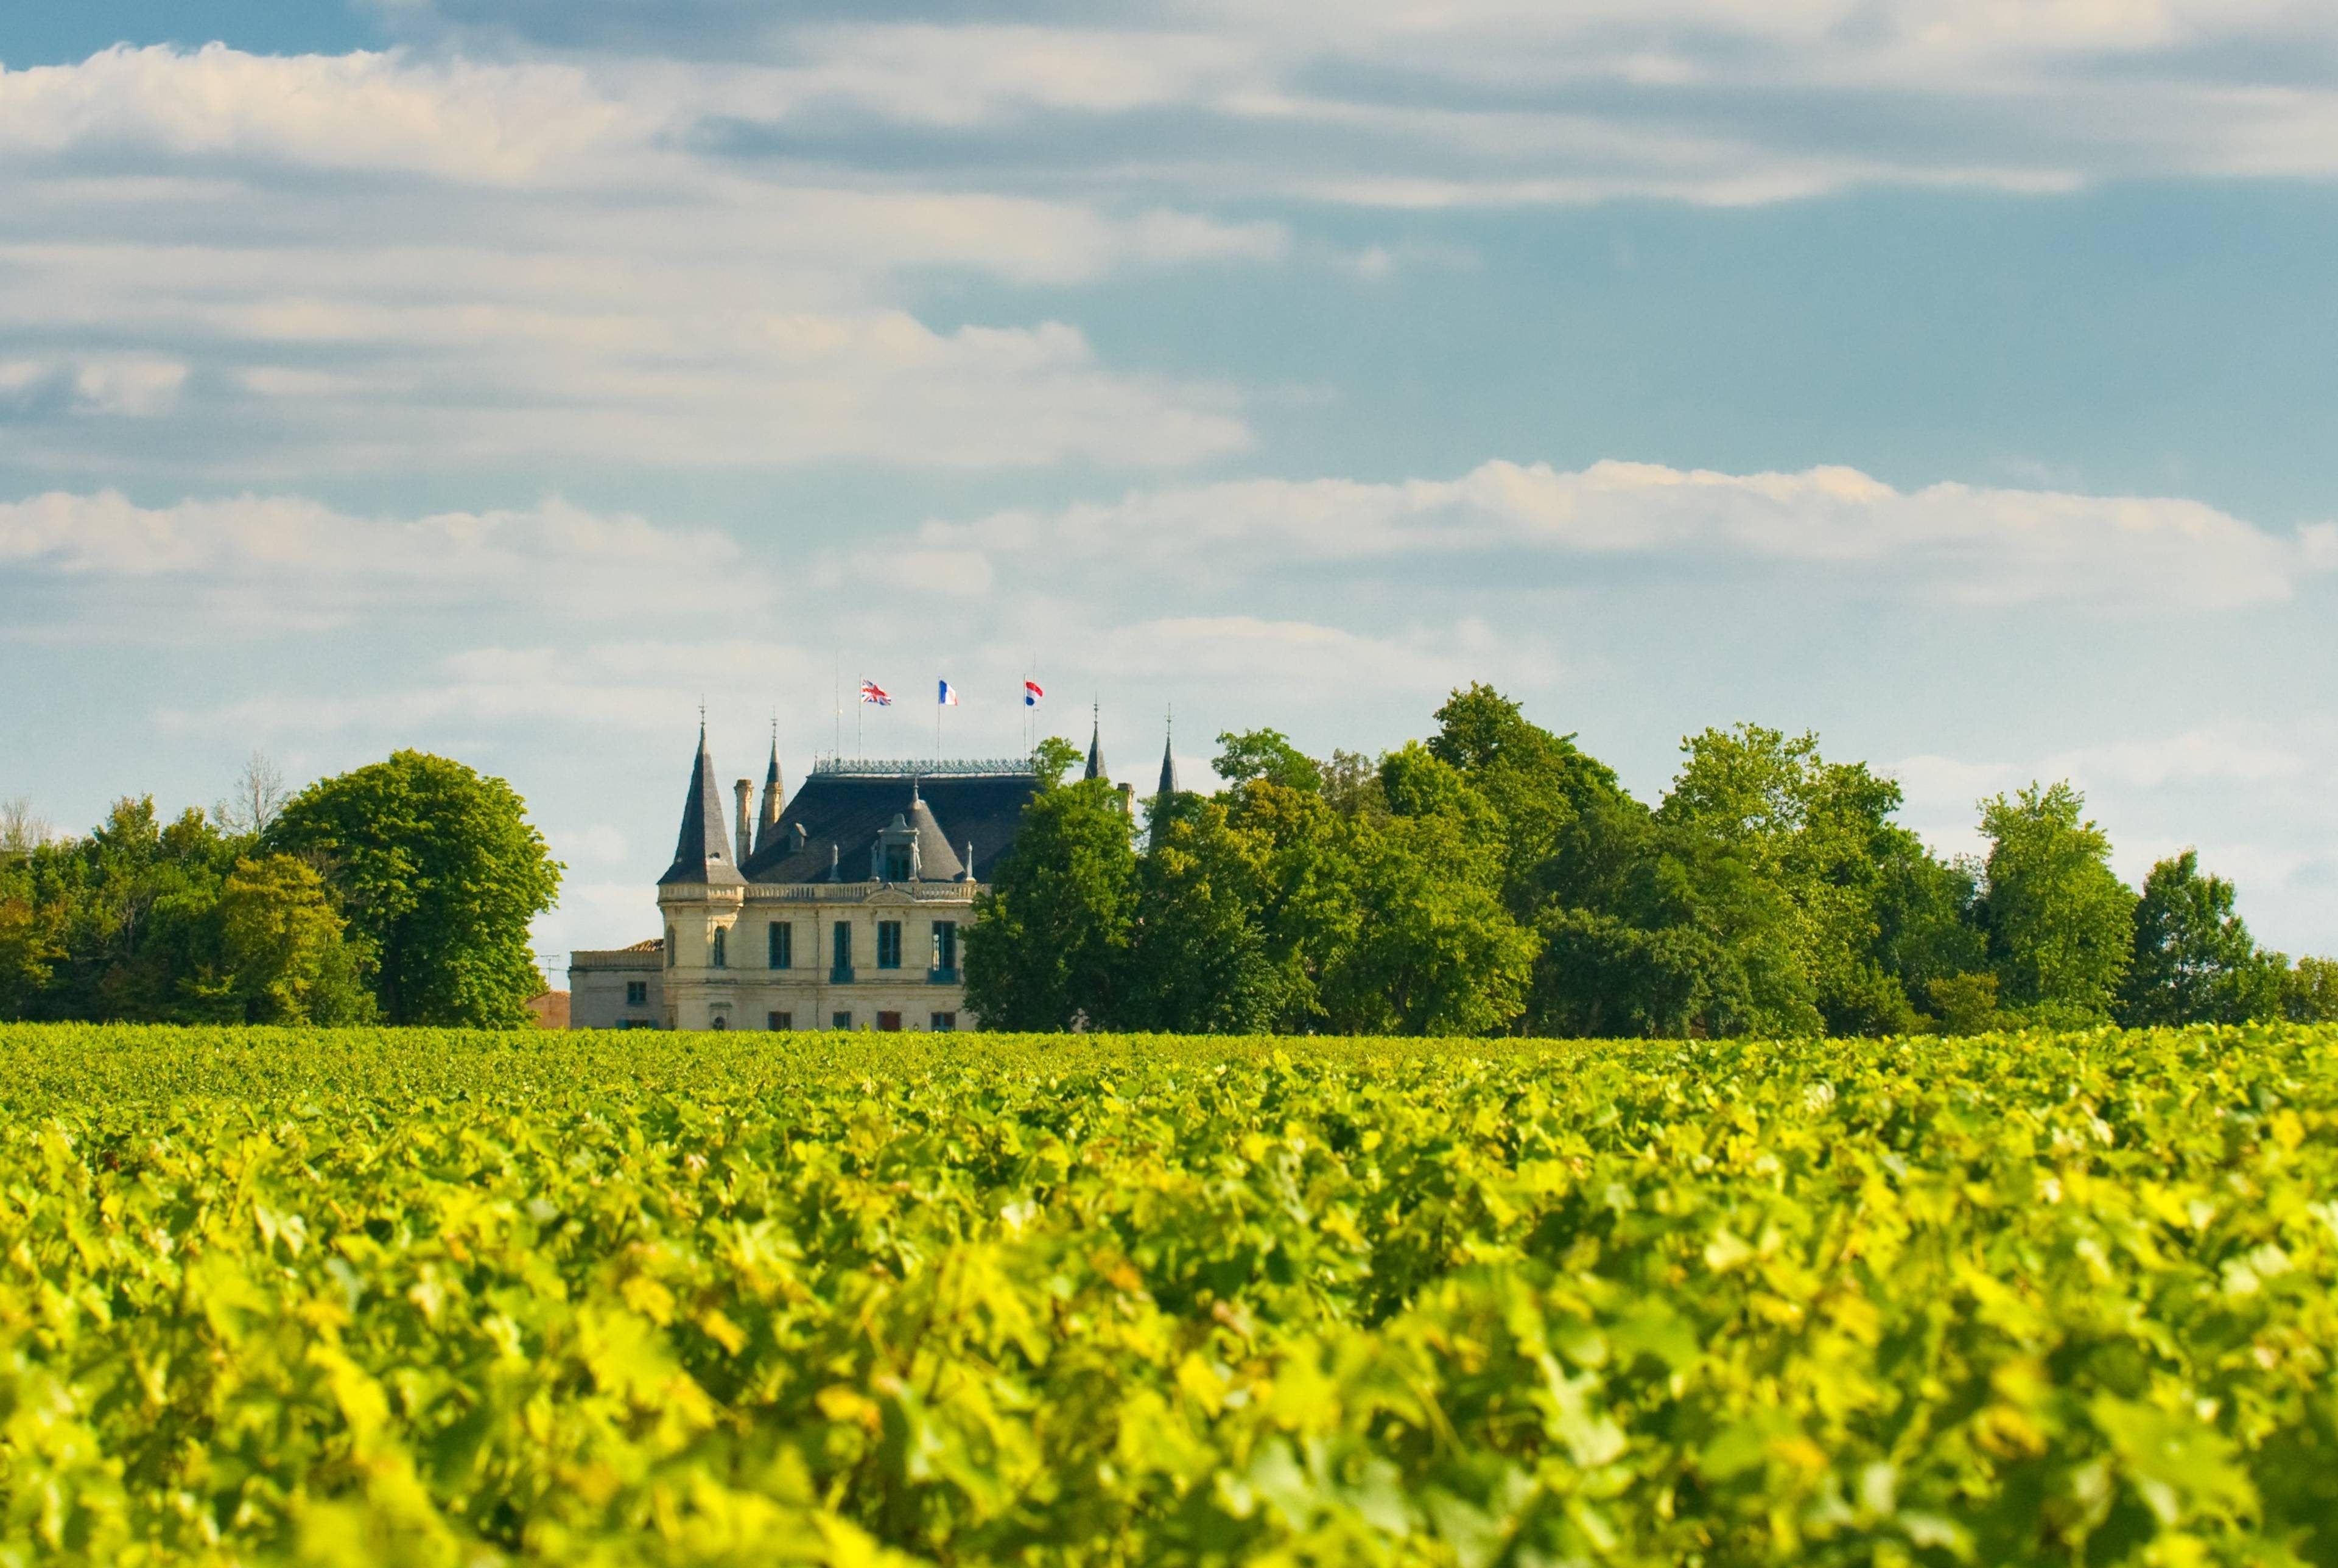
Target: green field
(419, 1297)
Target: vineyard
(406, 1297)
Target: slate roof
(1095, 754)
(841, 815)
(937, 860)
(702, 851)
(1168, 766)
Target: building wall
(597, 989)
(746, 992)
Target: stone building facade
(843, 906)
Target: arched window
(721, 948)
(669, 946)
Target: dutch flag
(1031, 693)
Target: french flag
(1031, 693)
(948, 697)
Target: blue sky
(503, 379)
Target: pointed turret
(1168, 766)
(702, 851)
(767, 823)
(1096, 748)
(937, 861)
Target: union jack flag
(872, 692)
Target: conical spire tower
(1095, 746)
(767, 821)
(702, 850)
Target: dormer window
(893, 858)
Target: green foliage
(1265, 754)
(1496, 877)
(2061, 922)
(1051, 759)
(1049, 937)
(440, 873)
(420, 1296)
(2309, 991)
(1197, 963)
(1434, 951)
(281, 944)
(1965, 1003)
(120, 925)
(2194, 960)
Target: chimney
(1128, 799)
(745, 791)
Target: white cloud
(460, 120)
(1957, 542)
(269, 563)
(94, 384)
(2250, 796)
(532, 261)
(638, 686)
(1501, 101)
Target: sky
(1953, 379)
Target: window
(946, 946)
(889, 1022)
(889, 943)
(637, 992)
(780, 945)
(944, 1023)
(719, 1022)
(840, 954)
(721, 948)
(839, 1020)
(782, 1020)
(896, 862)
(669, 946)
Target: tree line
(400, 892)
(1497, 878)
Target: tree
(1601, 977)
(1808, 852)
(1049, 934)
(282, 948)
(1051, 759)
(1351, 784)
(2309, 991)
(1266, 754)
(1964, 1004)
(29, 950)
(22, 830)
(258, 795)
(2060, 924)
(1307, 888)
(439, 872)
(1536, 783)
(1434, 951)
(1197, 961)
(2194, 961)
